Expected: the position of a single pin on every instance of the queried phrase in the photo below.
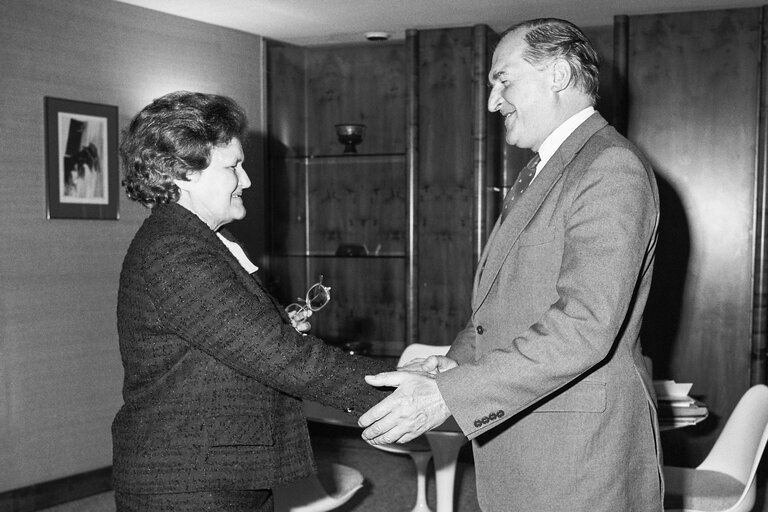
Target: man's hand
(432, 365)
(415, 407)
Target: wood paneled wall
(60, 371)
(446, 189)
(693, 109)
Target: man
(548, 379)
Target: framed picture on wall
(81, 160)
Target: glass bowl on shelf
(350, 135)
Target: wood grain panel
(366, 302)
(693, 110)
(288, 205)
(286, 82)
(357, 201)
(601, 38)
(357, 84)
(366, 298)
(446, 183)
(760, 300)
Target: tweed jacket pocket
(586, 396)
(239, 430)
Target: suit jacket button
(478, 423)
(492, 416)
(349, 410)
(480, 329)
(485, 420)
(500, 414)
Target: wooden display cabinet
(344, 216)
(416, 194)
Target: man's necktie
(523, 180)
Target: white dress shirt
(557, 137)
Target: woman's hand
(299, 320)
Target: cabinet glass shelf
(345, 158)
(334, 255)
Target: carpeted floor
(390, 479)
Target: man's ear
(561, 75)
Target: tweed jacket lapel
(251, 281)
(186, 221)
(505, 235)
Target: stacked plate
(676, 407)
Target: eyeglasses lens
(318, 296)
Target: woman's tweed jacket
(213, 369)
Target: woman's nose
(243, 178)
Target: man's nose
(494, 100)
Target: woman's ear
(561, 75)
(192, 178)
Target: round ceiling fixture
(377, 36)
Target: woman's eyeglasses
(316, 298)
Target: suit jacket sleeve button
(500, 414)
(478, 423)
(480, 329)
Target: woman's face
(215, 193)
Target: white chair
(725, 480)
(418, 449)
(331, 487)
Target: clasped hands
(415, 407)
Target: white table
(445, 442)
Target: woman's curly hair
(173, 136)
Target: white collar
(238, 253)
(557, 137)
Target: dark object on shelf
(352, 250)
(361, 348)
(350, 135)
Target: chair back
(421, 350)
(740, 445)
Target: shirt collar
(557, 137)
(238, 253)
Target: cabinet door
(693, 109)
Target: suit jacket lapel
(506, 234)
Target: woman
(214, 370)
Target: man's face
(522, 94)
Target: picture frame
(81, 160)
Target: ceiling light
(377, 36)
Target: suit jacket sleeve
(201, 297)
(610, 218)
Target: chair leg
(421, 460)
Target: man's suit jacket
(214, 370)
(551, 383)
